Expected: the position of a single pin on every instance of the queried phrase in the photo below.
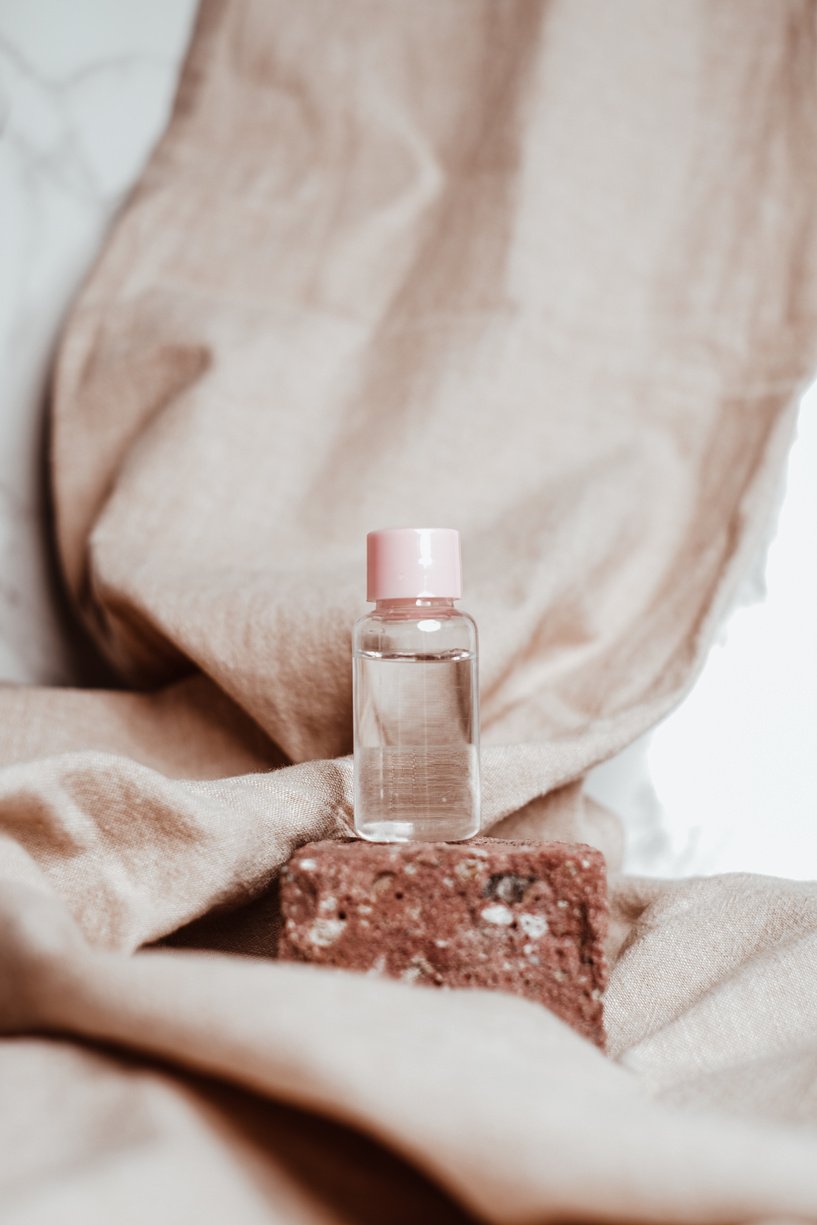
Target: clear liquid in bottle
(417, 757)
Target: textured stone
(524, 917)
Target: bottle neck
(407, 605)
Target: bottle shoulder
(446, 616)
(422, 631)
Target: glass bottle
(416, 693)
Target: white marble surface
(85, 88)
(728, 782)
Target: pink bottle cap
(413, 563)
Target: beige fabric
(545, 272)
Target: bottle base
(431, 830)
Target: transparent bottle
(416, 693)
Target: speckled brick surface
(524, 917)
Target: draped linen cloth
(543, 271)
